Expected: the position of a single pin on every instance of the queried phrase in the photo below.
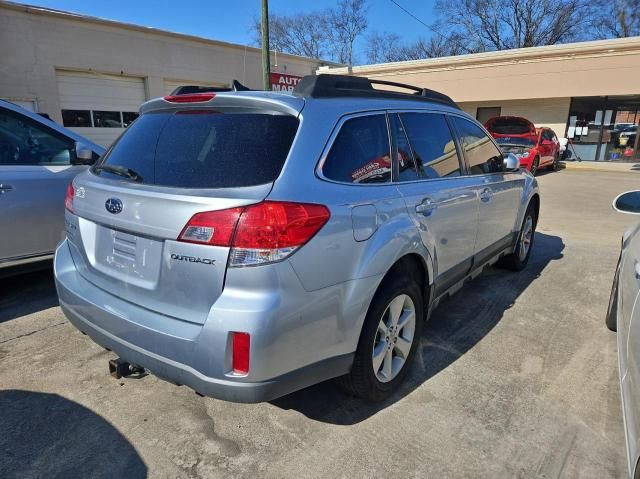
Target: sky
(231, 20)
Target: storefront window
(604, 128)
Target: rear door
(125, 232)
(35, 169)
(441, 201)
(498, 191)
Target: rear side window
(433, 145)
(360, 152)
(204, 148)
(481, 154)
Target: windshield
(524, 142)
(201, 149)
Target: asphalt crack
(33, 332)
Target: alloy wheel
(394, 338)
(525, 238)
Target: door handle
(486, 194)
(426, 207)
(5, 188)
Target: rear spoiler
(190, 89)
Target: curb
(597, 166)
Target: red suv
(535, 147)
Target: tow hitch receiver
(119, 368)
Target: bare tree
(383, 48)
(346, 23)
(300, 34)
(388, 47)
(502, 24)
(617, 18)
(329, 33)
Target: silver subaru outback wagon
(250, 244)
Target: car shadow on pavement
(46, 435)
(27, 293)
(455, 327)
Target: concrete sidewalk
(616, 166)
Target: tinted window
(480, 152)
(24, 141)
(205, 149)
(128, 117)
(404, 156)
(548, 135)
(432, 143)
(106, 119)
(360, 152)
(78, 118)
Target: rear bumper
(197, 355)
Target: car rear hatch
(172, 163)
(511, 127)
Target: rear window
(204, 148)
(509, 126)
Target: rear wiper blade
(119, 170)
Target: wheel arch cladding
(414, 266)
(535, 202)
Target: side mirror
(628, 202)
(84, 155)
(510, 162)
(547, 142)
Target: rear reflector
(190, 98)
(241, 346)
(257, 234)
(68, 200)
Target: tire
(556, 163)
(518, 260)
(398, 291)
(611, 319)
(534, 166)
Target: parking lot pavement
(516, 377)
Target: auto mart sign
(283, 82)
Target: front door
(35, 169)
(440, 200)
(498, 191)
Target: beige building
(92, 74)
(588, 92)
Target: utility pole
(266, 67)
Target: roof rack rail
(332, 86)
(190, 89)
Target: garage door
(170, 85)
(99, 106)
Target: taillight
(190, 98)
(240, 358)
(257, 234)
(212, 227)
(68, 200)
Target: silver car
(38, 159)
(623, 315)
(249, 244)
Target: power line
(409, 13)
(429, 27)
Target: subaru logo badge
(113, 205)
